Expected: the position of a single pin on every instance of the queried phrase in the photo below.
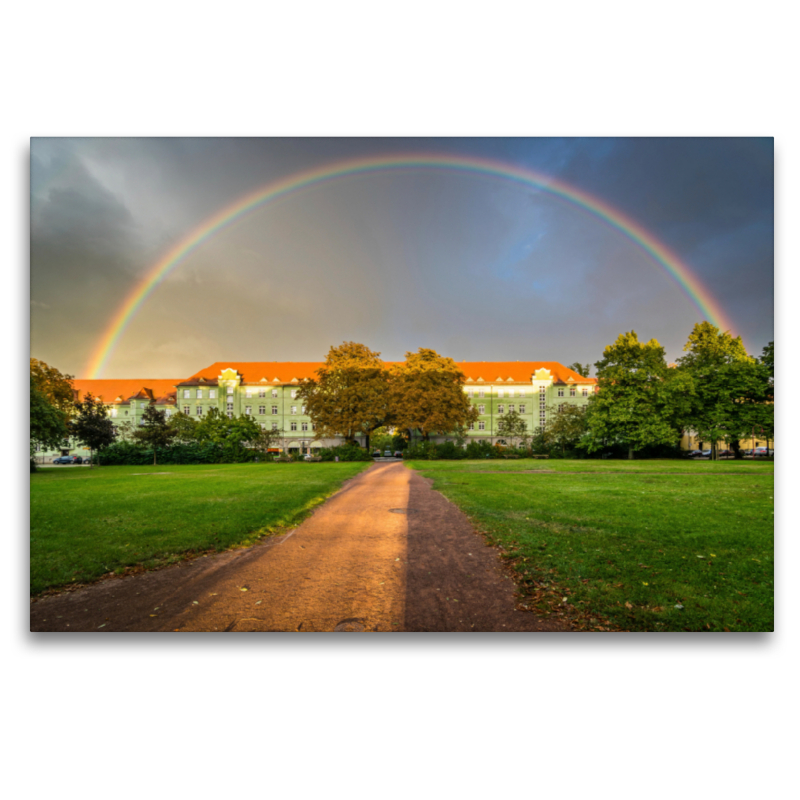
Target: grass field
(89, 522)
(642, 545)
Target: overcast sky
(476, 268)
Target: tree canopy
(581, 369)
(427, 394)
(350, 395)
(639, 400)
(512, 427)
(92, 426)
(154, 431)
(48, 424)
(56, 387)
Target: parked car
(706, 453)
(387, 453)
(398, 453)
(764, 451)
(695, 453)
(64, 460)
(725, 454)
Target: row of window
(500, 392)
(501, 409)
(248, 393)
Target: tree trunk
(154, 455)
(630, 454)
(91, 458)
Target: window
(572, 391)
(199, 411)
(212, 393)
(472, 426)
(262, 409)
(294, 409)
(187, 410)
(585, 392)
(510, 392)
(560, 392)
(187, 393)
(561, 407)
(293, 425)
(481, 409)
(500, 393)
(230, 411)
(470, 392)
(274, 411)
(262, 392)
(248, 393)
(304, 426)
(199, 394)
(510, 408)
(481, 393)
(294, 393)
(501, 409)
(302, 409)
(313, 426)
(248, 410)
(481, 425)
(230, 390)
(274, 392)
(521, 393)
(522, 408)
(274, 426)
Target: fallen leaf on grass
(243, 589)
(628, 605)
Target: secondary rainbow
(690, 283)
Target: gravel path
(386, 553)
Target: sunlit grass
(89, 522)
(650, 545)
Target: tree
(581, 369)
(568, 424)
(381, 439)
(639, 400)
(92, 426)
(234, 434)
(56, 388)
(731, 387)
(427, 394)
(154, 431)
(48, 424)
(266, 440)
(183, 427)
(512, 427)
(350, 395)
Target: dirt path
(386, 553)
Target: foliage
(349, 397)
(639, 401)
(154, 431)
(512, 427)
(381, 439)
(732, 390)
(345, 452)
(427, 394)
(683, 552)
(56, 388)
(48, 423)
(567, 425)
(86, 524)
(183, 427)
(581, 369)
(236, 436)
(92, 425)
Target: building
(267, 390)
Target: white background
(485, 716)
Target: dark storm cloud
(479, 268)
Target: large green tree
(92, 426)
(731, 388)
(350, 395)
(639, 401)
(57, 388)
(233, 434)
(48, 423)
(427, 394)
(154, 431)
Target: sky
(476, 267)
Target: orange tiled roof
(109, 390)
(254, 372)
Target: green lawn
(88, 522)
(627, 542)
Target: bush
(346, 452)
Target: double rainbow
(688, 281)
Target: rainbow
(210, 227)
